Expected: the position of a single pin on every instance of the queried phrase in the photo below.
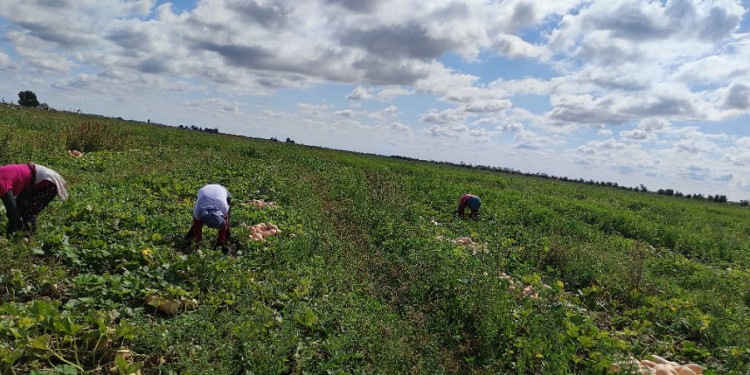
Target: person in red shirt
(25, 190)
(473, 202)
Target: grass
(365, 277)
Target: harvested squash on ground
(659, 366)
(261, 204)
(259, 231)
(475, 247)
(527, 291)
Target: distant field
(366, 276)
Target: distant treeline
(198, 128)
(719, 198)
(288, 140)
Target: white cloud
(713, 69)
(391, 92)
(397, 126)
(390, 111)
(6, 63)
(737, 97)
(653, 124)
(510, 126)
(528, 85)
(552, 75)
(694, 146)
(314, 109)
(515, 47)
(738, 158)
(448, 131)
(526, 139)
(345, 113)
(480, 135)
(447, 116)
(214, 104)
(703, 173)
(486, 106)
(636, 135)
(359, 93)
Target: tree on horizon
(27, 99)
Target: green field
(366, 276)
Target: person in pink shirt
(26, 189)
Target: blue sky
(633, 92)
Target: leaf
(67, 326)
(39, 342)
(122, 365)
(9, 356)
(133, 368)
(307, 318)
(71, 304)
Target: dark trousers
(34, 201)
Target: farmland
(366, 275)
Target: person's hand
(226, 250)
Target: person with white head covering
(212, 208)
(26, 189)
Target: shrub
(93, 136)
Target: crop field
(371, 273)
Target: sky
(653, 93)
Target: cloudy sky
(633, 92)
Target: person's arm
(11, 210)
(227, 234)
(462, 206)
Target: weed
(94, 136)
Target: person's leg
(32, 204)
(196, 231)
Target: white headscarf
(44, 173)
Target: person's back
(15, 177)
(471, 201)
(209, 197)
(212, 206)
